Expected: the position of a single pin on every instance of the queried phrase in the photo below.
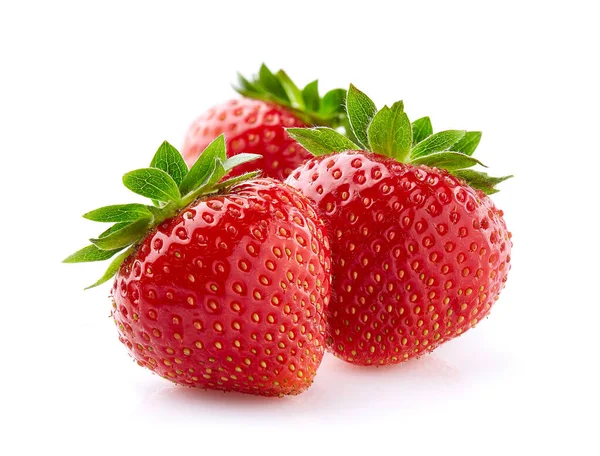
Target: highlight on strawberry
(256, 122)
(419, 252)
(221, 283)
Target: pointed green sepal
(310, 95)
(361, 111)
(244, 86)
(390, 132)
(306, 104)
(447, 160)
(200, 171)
(90, 253)
(119, 213)
(112, 268)
(239, 159)
(170, 161)
(271, 84)
(332, 104)
(468, 143)
(293, 93)
(480, 180)
(123, 236)
(215, 173)
(132, 222)
(152, 183)
(437, 142)
(321, 140)
(421, 129)
(114, 228)
(227, 184)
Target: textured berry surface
(418, 257)
(231, 293)
(251, 126)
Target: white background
(89, 92)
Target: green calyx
(305, 103)
(389, 132)
(171, 186)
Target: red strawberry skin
(251, 126)
(418, 257)
(231, 293)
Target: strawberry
(223, 284)
(256, 123)
(419, 252)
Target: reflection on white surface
(335, 383)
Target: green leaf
(304, 103)
(239, 159)
(203, 184)
(170, 161)
(292, 91)
(199, 172)
(447, 160)
(116, 227)
(152, 183)
(217, 173)
(122, 237)
(421, 129)
(310, 95)
(237, 179)
(437, 142)
(119, 213)
(361, 110)
(271, 84)
(399, 105)
(468, 143)
(347, 129)
(321, 140)
(333, 102)
(132, 222)
(90, 253)
(480, 180)
(390, 133)
(216, 149)
(113, 268)
(245, 86)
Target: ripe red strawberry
(226, 285)
(419, 255)
(256, 123)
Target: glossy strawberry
(256, 123)
(226, 289)
(253, 126)
(419, 256)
